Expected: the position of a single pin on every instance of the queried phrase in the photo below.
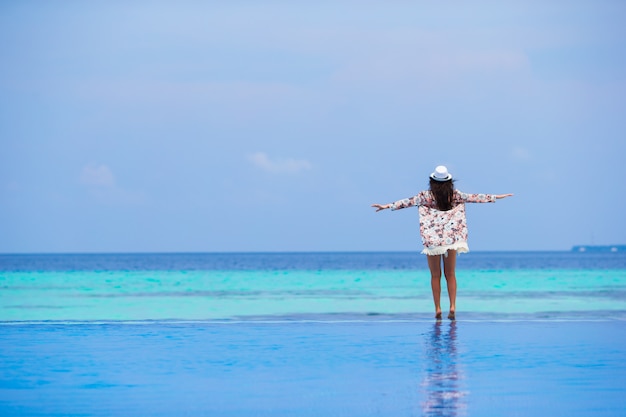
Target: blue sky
(273, 125)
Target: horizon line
(269, 252)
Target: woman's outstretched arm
(478, 198)
(380, 207)
(416, 200)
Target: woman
(443, 228)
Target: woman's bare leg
(434, 264)
(449, 270)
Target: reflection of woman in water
(443, 229)
(443, 395)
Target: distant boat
(599, 248)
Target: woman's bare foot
(452, 315)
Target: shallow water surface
(331, 334)
(481, 368)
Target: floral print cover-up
(443, 230)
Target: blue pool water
(334, 334)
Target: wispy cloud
(521, 154)
(285, 166)
(100, 183)
(434, 62)
(97, 175)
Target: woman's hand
(499, 196)
(380, 207)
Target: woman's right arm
(380, 207)
(404, 203)
(478, 198)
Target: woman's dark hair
(443, 191)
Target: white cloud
(287, 166)
(520, 153)
(98, 175)
(100, 184)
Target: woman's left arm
(480, 198)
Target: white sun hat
(441, 174)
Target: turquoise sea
(345, 334)
(131, 287)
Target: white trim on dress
(460, 247)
